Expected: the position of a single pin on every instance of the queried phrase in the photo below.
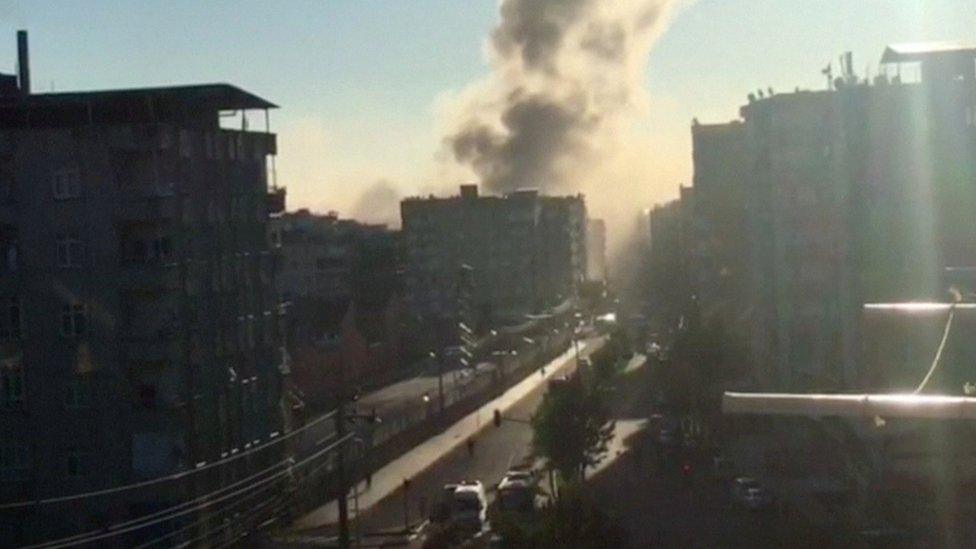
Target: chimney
(23, 63)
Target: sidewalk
(389, 478)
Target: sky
(363, 84)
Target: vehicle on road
(756, 498)
(469, 507)
(517, 492)
(741, 484)
(749, 493)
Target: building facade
(596, 250)
(341, 282)
(490, 260)
(141, 327)
(816, 202)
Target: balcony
(276, 201)
(162, 349)
(150, 278)
(143, 208)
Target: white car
(470, 507)
(741, 485)
(756, 498)
(516, 492)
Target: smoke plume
(564, 90)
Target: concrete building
(494, 258)
(596, 250)
(340, 278)
(862, 192)
(671, 249)
(320, 255)
(140, 326)
(825, 200)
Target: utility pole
(406, 505)
(438, 357)
(440, 381)
(340, 463)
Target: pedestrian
(470, 446)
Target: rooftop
(197, 105)
(212, 96)
(919, 51)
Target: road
(443, 458)
(399, 403)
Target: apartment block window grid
(11, 319)
(71, 252)
(8, 253)
(78, 394)
(14, 461)
(77, 463)
(12, 392)
(66, 183)
(74, 319)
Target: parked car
(517, 491)
(740, 485)
(469, 511)
(757, 498)
(749, 493)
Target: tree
(572, 429)
(571, 521)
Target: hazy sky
(361, 83)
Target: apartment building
(341, 282)
(824, 200)
(140, 325)
(496, 258)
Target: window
(209, 146)
(8, 249)
(8, 187)
(74, 319)
(78, 393)
(77, 463)
(66, 183)
(71, 252)
(147, 250)
(12, 384)
(186, 144)
(14, 461)
(11, 323)
(146, 396)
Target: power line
(938, 352)
(74, 540)
(182, 505)
(193, 525)
(167, 478)
(252, 514)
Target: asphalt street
(384, 506)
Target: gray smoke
(565, 72)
